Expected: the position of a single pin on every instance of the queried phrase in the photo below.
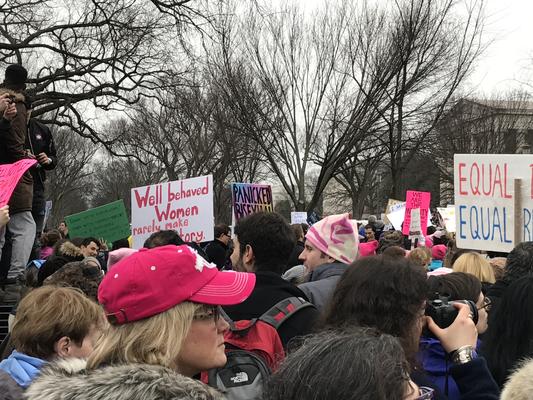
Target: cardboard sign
(298, 217)
(489, 214)
(392, 205)
(414, 199)
(415, 228)
(185, 206)
(249, 198)
(108, 222)
(448, 217)
(10, 175)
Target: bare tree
(437, 43)
(85, 56)
(308, 90)
(189, 133)
(68, 186)
(498, 125)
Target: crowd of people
(335, 310)
(378, 324)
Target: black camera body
(444, 313)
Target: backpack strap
(283, 310)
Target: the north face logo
(240, 377)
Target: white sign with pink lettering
(185, 206)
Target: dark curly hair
(270, 237)
(381, 292)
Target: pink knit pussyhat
(337, 236)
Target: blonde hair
(420, 256)
(475, 264)
(49, 313)
(156, 340)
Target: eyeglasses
(487, 304)
(208, 313)
(425, 393)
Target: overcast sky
(510, 24)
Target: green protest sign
(108, 222)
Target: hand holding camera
(461, 332)
(7, 106)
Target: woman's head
(475, 264)
(56, 322)
(381, 292)
(162, 305)
(461, 286)
(376, 360)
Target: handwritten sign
(249, 198)
(414, 199)
(298, 217)
(415, 228)
(185, 206)
(392, 205)
(10, 175)
(485, 212)
(108, 222)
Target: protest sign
(493, 200)
(298, 217)
(414, 199)
(249, 198)
(448, 217)
(392, 205)
(185, 206)
(10, 174)
(108, 222)
(415, 227)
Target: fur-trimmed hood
(19, 97)
(519, 386)
(68, 379)
(69, 249)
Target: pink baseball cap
(152, 281)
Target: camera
(444, 313)
(11, 98)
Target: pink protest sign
(414, 199)
(10, 174)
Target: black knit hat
(15, 77)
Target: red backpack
(254, 350)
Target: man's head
(223, 233)
(15, 77)
(62, 227)
(90, 247)
(369, 233)
(332, 239)
(263, 242)
(162, 238)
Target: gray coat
(68, 380)
(322, 282)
